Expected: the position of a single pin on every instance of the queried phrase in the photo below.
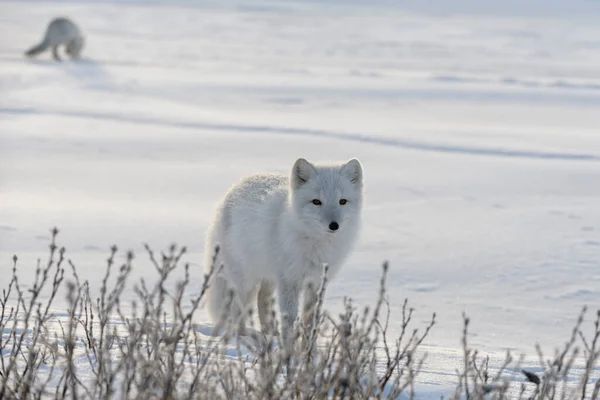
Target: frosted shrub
(96, 350)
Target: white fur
(273, 239)
(60, 31)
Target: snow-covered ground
(476, 123)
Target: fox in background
(60, 31)
(275, 232)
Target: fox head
(75, 46)
(327, 198)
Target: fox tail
(35, 50)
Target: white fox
(60, 31)
(275, 234)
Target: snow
(476, 123)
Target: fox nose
(334, 226)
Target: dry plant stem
(151, 348)
(591, 353)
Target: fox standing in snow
(274, 234)
(60, 31)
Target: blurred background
(476, 123)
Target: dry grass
(157, 351)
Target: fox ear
(302, 172)
(353, 171)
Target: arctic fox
(60, 31)
(275, 233)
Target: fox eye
(343, 201)
(316, 202)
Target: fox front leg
(264, 299)
(55, 53)
(288, 294)
(310, 300)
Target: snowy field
(476, 123)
